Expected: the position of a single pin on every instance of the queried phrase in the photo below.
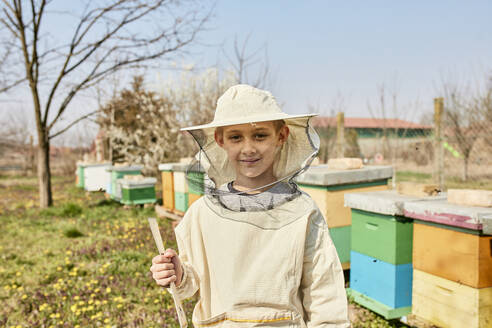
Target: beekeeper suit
(264, 259)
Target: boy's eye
(261, 136)
(234, 137)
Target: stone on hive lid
(344, 163)
(470, 197)
(417, 189)
(137, 177)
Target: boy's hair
(277, 124)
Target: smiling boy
(255, 247)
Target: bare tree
(243, 60)
(104, 37)
(461, 119)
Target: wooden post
(340, 143)
(438, 144)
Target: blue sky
(322, 49)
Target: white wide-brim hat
(242, 104)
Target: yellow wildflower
(108, 290)
(24, 296)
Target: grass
(85, 263)
(82, 263)
(450, 182)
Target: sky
(334, 55)
(328, 52)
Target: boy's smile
(251, 148)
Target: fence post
(340, 151)
(438, 145)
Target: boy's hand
(166, 268)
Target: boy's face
(251, 148)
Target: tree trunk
(465, 169)
(44, 173)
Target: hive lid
(321, 175)
(145, 182)
(179, 167)
(442, 212)
(108, 164)
(126, 168)
(388, 202)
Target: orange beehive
(458, 256)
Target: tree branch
(73, 123)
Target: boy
(256, 248)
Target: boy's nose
(248, 147)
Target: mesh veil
(211, 172)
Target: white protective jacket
(275, 268)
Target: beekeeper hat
(242, 104)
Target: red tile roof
(371, 123)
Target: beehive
(117, 172)
(327, 188)
(386, 283)
(80, 175)
(96, 176)
(134, 192)
(381, 256)
(180, 187)
(446, 303)
(167, 185)
(456, 255)
(452, 263)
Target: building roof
(369, 123)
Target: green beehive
(80, 175)
(385, 237)
(134, 192)
(195, 182)
(181, 201)
(117, 172)
(341, 240)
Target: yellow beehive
(327, 188)
(446, 303)
(330, 202)
(167, 190)
(193, 198)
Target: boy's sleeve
(190, 282)
(322, 283)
